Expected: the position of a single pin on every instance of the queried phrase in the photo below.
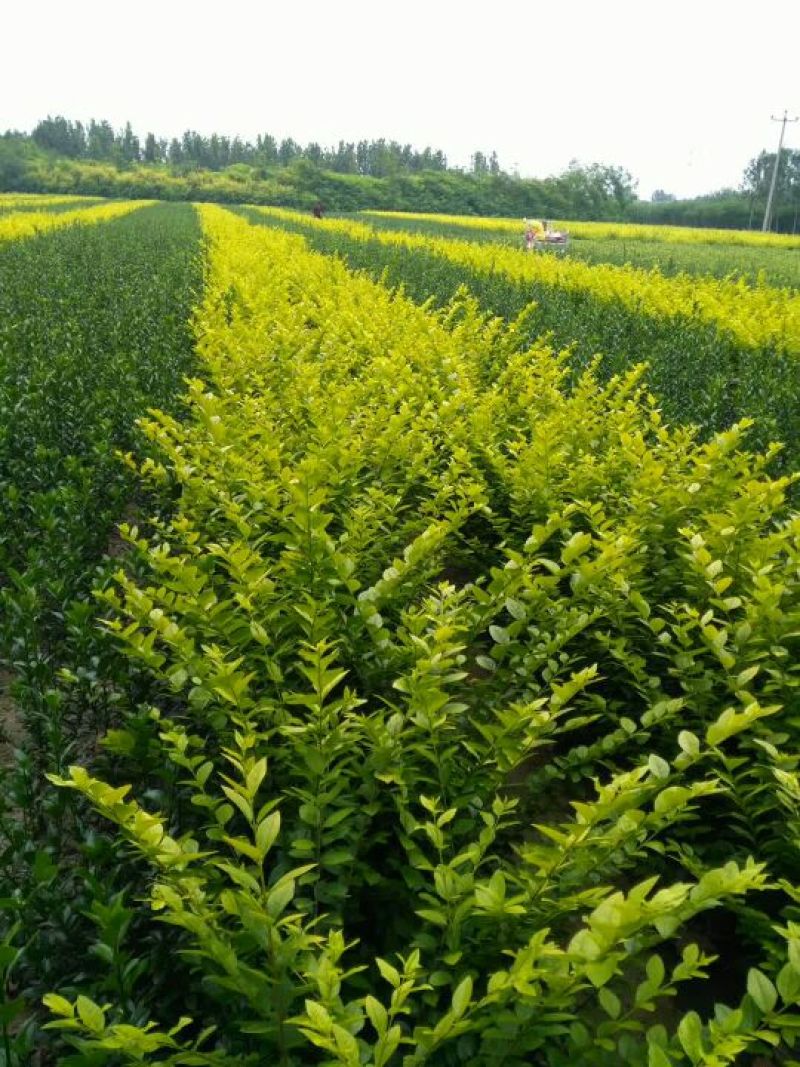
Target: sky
(680, 93)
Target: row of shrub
(94, 330)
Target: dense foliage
(477, 733)
(705, 372)
(93, 331)
(448, 696)
(758, 317)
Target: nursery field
(772, 260)
(706, 341)
(399, 646)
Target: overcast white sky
(680, 91)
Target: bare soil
(12, 729)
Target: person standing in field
(318, 209)
(533, 230)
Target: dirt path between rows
(12, 729)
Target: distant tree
(313, 152)
(618, 183)
(661, 197)
(152, 149)
(266, 150)
(343, 159)
(13, 164)
(175, 151)
(758, 173)
(380, 160)
(596, 191)
(191, 146)
(128, 144)
(792, 164)
(756, 181)
(213, 152)
(288, 150)
(62, 136)
(240, 152)
(479, 164)
(100, 140)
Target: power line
(768, 211)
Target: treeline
(99, 141)
(580, 192)
(61, 155)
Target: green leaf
(319, 1016)
(601, 971)
(280, 897)
(761, 989)
(576, 546)
(337, 817)
(515, 608)
(391, 974)
(58, 1005)
(256, 776)
(659, 767)
(746, 676)
(671, 798)
(610, 1002)
(432, 915)
(242, 803)
(789, 984)
(91, 1015)
(655, 970)
(462, 995)
(388, 1046)
(690, 1035)
(689, 742)
(657, 1057)
(243, 847)
(378, 1015)
(336, 857)
(267, 832)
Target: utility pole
(768, 211)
